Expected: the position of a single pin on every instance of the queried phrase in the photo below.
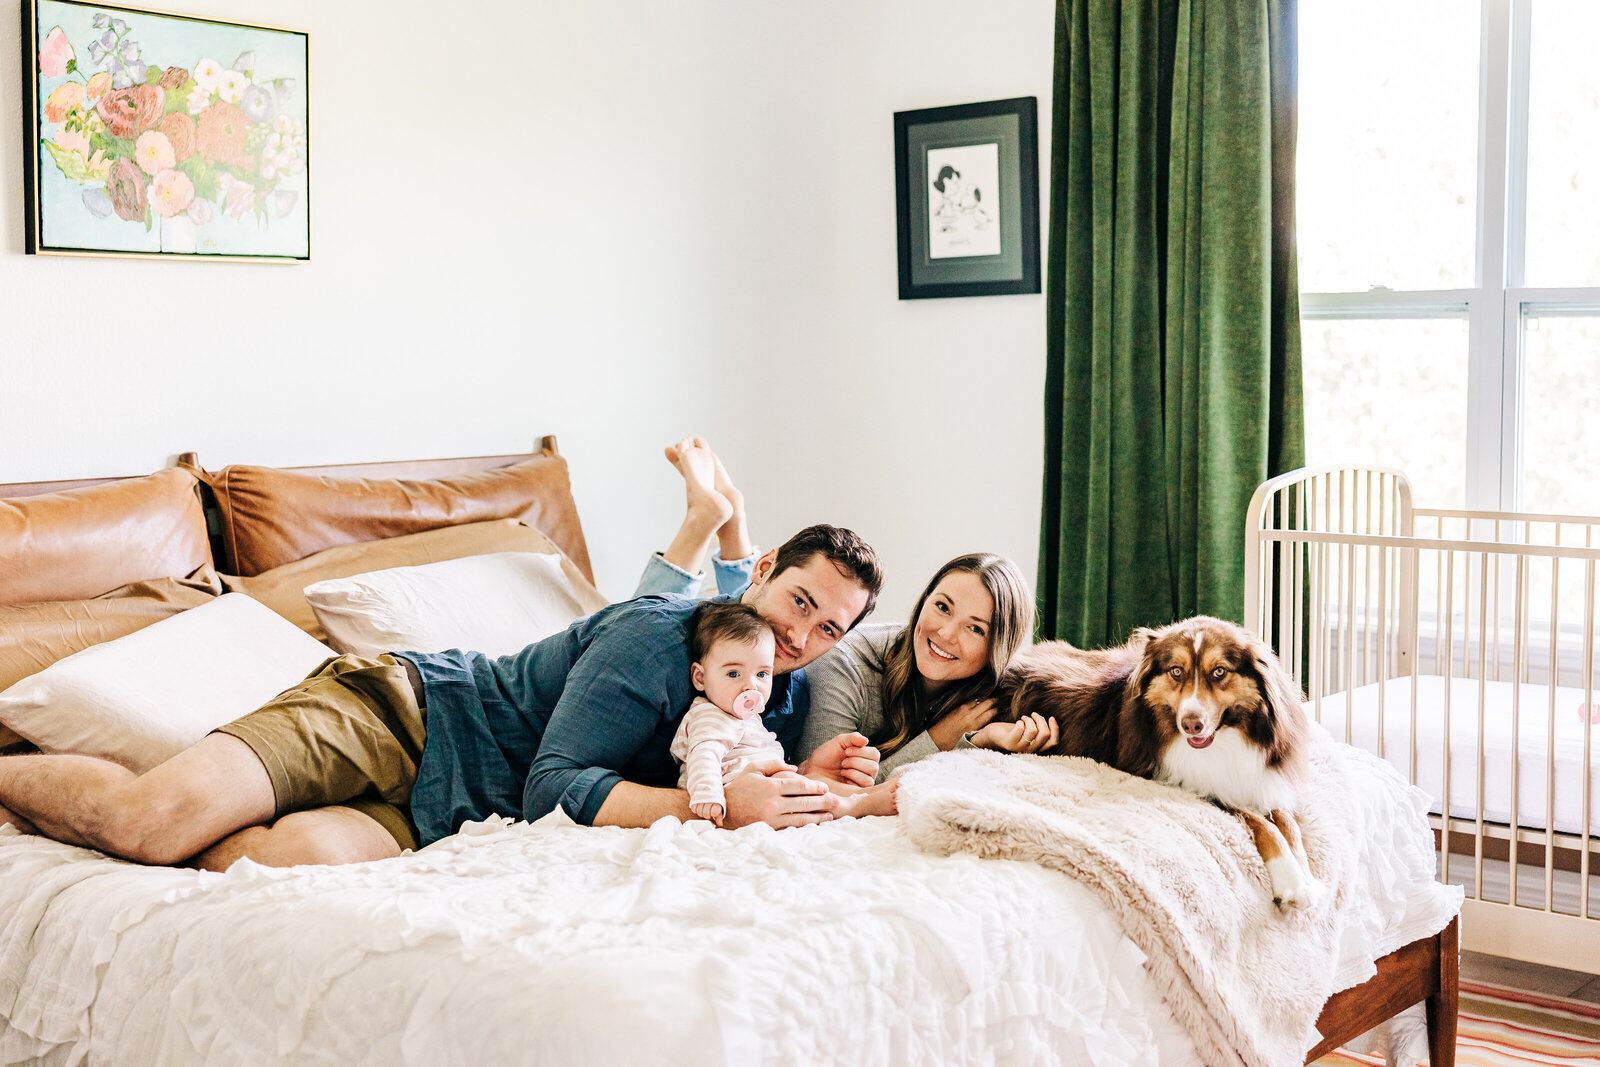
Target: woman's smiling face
(951, 635)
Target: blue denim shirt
(566, 719)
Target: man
(582, 720)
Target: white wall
(619, 222)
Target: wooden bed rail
(1426, 970)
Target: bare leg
(878, 800)
(163, 816)
(17, 822)
(733, 537)
(707, 510)
(322, 835)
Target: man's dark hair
(843, 548)
(715, 620)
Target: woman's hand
(973, 715)
(1032, 733)
(847, 759)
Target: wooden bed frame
(1425, 970)
(1422, 971)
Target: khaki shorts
(350, 734)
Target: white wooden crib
(1409, 626)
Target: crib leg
(1442, 1004)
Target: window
(1449, 229)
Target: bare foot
(698, 465)
(23, 826)
(879, 800)
(733, 537)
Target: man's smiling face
(810, 607)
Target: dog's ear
(1141, 636)
(1283, 704)
(1138, 751)
(1278, 690)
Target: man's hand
(774, 794)
(974, 715)
(847, 759)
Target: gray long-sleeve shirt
(847, 694)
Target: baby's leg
(879, 800)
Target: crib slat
(1482, 768)
(1383, 673)
(1449, 642)
(1589, 698)
(1517, 649)
(1550, 734)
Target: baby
(722, 734)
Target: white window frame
(1498, 304)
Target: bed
(1460, 646)
(510, 942)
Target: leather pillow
(33, 636)
(79, 543)
(271, 516)
(282, 588)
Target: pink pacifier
(749, 702)
(1590, 712)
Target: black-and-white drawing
(963, 201)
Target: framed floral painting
(153, 134)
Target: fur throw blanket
(1245, 980)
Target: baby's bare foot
(698, 465)
(879, 800)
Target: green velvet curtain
(1172, 383)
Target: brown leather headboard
(75, 540)
(269, 516)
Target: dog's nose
(1192, 724)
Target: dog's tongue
(1201, 742)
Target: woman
(913, 690)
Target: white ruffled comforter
(680, 944)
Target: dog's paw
(1292, 887)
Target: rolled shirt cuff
(732, 574)
(660, 576)
(584, 795)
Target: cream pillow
(143, 698)
(495, 604)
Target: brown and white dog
(1202, 704)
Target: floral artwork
(166, 134)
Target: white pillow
(496, 604)
(145, 697)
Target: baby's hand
(713, 812)
(1031, 733)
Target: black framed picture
(967, 178)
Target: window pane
(1387, 173)
(1560, 415)
(1564, 145)
(1391, 393)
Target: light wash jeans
(662, 577)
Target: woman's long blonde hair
(908, 707)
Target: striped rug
(1500, 1027)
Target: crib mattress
(1537, 764)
